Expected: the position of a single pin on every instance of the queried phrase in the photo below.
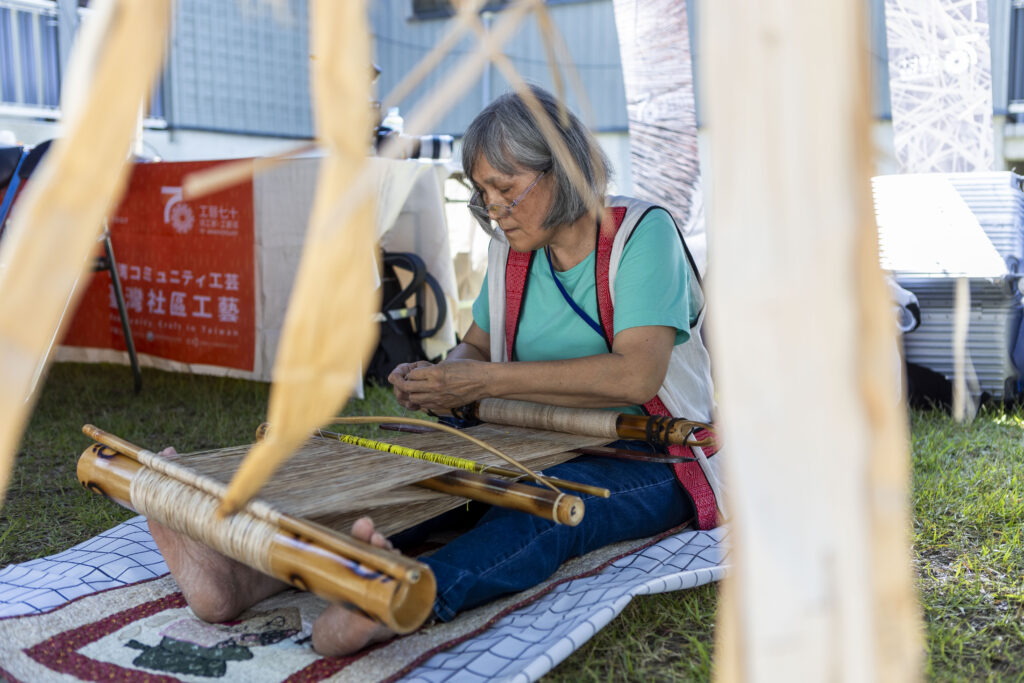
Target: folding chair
(16, 165)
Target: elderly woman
(579, 308)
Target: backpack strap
(517, 271)
(605, 240)
(689, 473)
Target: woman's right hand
(399, 374)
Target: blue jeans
(509, 551)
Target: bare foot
(216, 587)
(340, 631)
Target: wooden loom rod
(296, 560)
(394, 565)
(586, 421)
(453, 461)
(562, 508)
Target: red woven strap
(605, 240)
(517, 269)
(690, 474)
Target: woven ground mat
(144, 631)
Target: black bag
(403, 327)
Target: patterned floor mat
(97, 611)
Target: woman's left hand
(450, 384)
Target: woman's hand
(451, 384)
(397, 378)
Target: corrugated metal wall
(240, 66)
(1015, 97)
(589, 31)
(999, 42)
(236, 66)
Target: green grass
(968, 499)
(665, 637)
(968, 527)
(46, 510)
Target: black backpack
(403, 328)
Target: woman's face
(523, 226)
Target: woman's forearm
(602, 381)
(465, 351)
(630, 374)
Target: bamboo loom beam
(388, 563)
(658, 431)
(562, 508)
(333, 565)
(301, 554)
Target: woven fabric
(143, 631)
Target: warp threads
(439, 458)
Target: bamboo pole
(803, 346)
(394, 565)
(394, 590)
(659, 431)
(557, 507)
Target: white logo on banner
(176, 212)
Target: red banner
(186, 269)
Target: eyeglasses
(488, 212)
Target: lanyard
(579, 311)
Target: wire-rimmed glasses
(485, 213)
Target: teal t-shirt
(652, 287)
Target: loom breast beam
(391, 588)
(658, 431)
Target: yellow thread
(440, 458)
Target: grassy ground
(969, 555)
(968, 501)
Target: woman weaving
(603, 312)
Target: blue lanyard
(579, 311)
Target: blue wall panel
(237, 65)
(589, 30)
(240, 66)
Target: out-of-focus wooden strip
(231, 173)
(56, 222)
(821, 586)
(327, 332)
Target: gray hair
(506, 134)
